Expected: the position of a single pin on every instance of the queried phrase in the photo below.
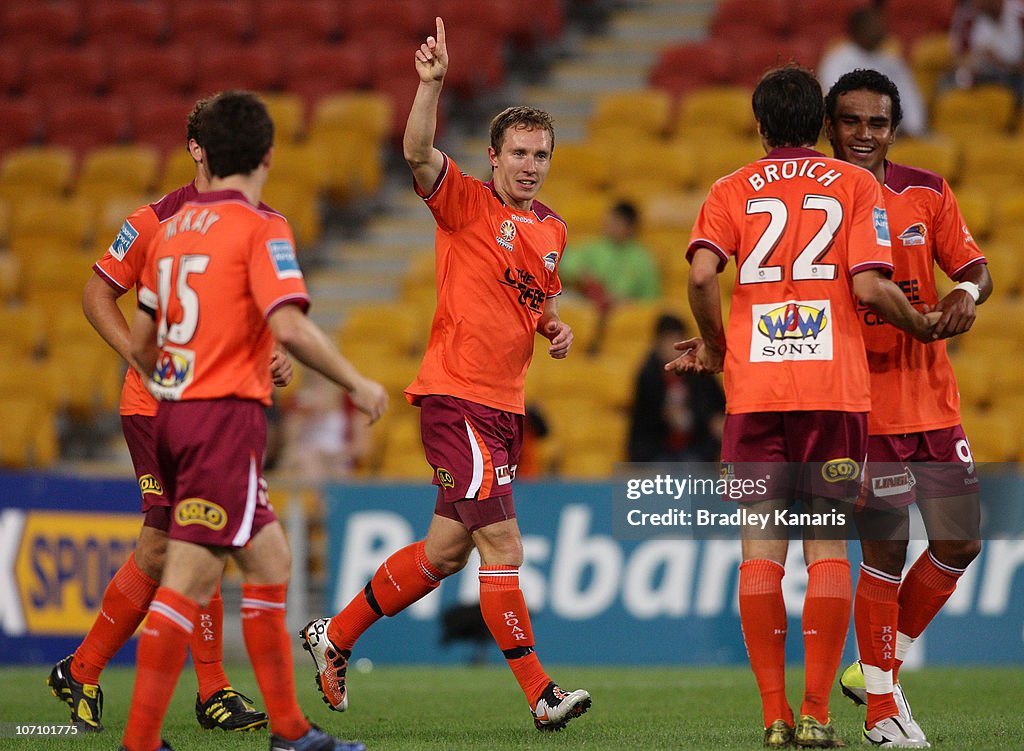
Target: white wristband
(971, 289)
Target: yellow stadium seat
(352, 112)
(717, 159)
(584, 213)
(715, 112)
(10, 276)
(992, 434)
(49, 271)
(118, 170)
(36, 170)
(110, 214)
(976, 206)
(304, 165)
(391, 324)
(179, 169)
(582, 162)
(994, 163)
(288, 113)
(668, 163)
(968, 114)
(1004, 264)
(300, 205)
(50, 221)
(935, 153)
(29, 437)
(974, 379)
(647, 110)
(582, 316)
(24, 327)
(88, 372)
(930, 59)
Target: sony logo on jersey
(787, 170)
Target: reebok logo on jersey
(282, 255)
(794, 330)
(126, 237)
(881, 221)
(915, 234)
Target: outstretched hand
(432, 56)
(696, 357)
(560, 335)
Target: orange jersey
(496, 267)
(214, 273)
(799, 226)
(927, 228)
(121, 268)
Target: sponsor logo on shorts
(793, 330)
(881, 222)
(888, 485)
(839, 470)
(126, 237)
(282, 255)
(149, 485)
(727, 471)
(200, 511)
(915, 234)
(505, 474)
(445, 478)
(551, 260)
(506, 234)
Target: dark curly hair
(236, 133)
(867, 79)
(787, 103)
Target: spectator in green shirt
(615, 267)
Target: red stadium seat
(750, 20)
(160, 121)
(936, 14)
(401, 90)
(405, 19)
(84, 124)
(21, 119)
(145, 72)
(755, 57)
(126, 23)
(824, 19)
(12, 71)
(211, 22)
(318, 71)
(255, 67)
(36, 25)
(57, 72)
(684, 67)
(296, 23)
(480, 65)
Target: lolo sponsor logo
(202, 512)
(149, 485)
(445, 478)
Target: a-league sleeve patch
(282, 255)
(126, 237)
(881, 226)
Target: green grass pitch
(469, 709)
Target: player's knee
(150, 556)
(450, 561)
(889, 558)
(956, 553)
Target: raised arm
(887, 300)
(424, 160)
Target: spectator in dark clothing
(675, 418)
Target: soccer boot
(892, 733)
(556, 708)
(85, 699)
(853, 686)
(229, 710)
(331, 664)
(812, 734)
(315, 740)
(778, 735)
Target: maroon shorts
(139, 434)
(476, 514)
(473, 449)
(211, 459)
(820, 452)
(906, 467)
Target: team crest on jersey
(149, 485)
(126, 237)
(506, 234)
(282, 255)
(202, 512)
(881, 221)
(445, 478)
(174, 371)
(551, 260)
(794, 330)
(915, 234)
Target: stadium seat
(179, 168)
(690, 66)
(584, 213)
(976, 206)
(390, 324)
(314, 72)
(294, 24)
(581, 161)
(29, 437)
(12, 71)
(667, 165)
(22, 123)
(754, 57)
(24, 329)
(994, 163)
(629, 327)
(407, 19)
(930, 59)
(1002, 253)
(40, 25)
(49, 221)
(720, 111)
(911, 19)
(114, 170)
(55, 271)
(59, 72)
(119, 24)
(145, 75)
(10, 282)
(967, 114)
(365, 112)
(936, 153)
(211, 23)
(36, 171)
(480, 68)
(715, 160)
(85, 124)
(825, 19)
(352, 129)
(742, 20)
(300, 205)
(252, 67)
(992, 435)
(647, 110)
(287, 110)
(160, 121)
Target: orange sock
(405, 577)
(825, 623)
(875, 615)
(208, 648)
(123, 608)
(270, 651)
(161, 656)
(926, 588)
(763, 616)
(504, 611)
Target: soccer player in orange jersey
(221, 282)
(75, 679)
(916, 445)
(808, 234)
(497, 254)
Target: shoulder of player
(545, 213)
(901, 178)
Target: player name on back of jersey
(788, 169)
(191, 221)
